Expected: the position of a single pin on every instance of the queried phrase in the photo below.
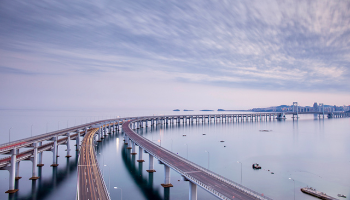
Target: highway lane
(90, 181)
(178, 164)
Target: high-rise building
(315, 107)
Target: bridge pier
(40, 157)
(34, 162)
(192, 191)
(17, 168)
(77, 139)
(129, 143)
(166, 177)
(54, 152)
(99, 137)
(133, 148)
(12, 170)
(140, 155)
(68, 144)
(151, 164)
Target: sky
(191, 54)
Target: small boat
(203, 133)
(183, 135)
(341, 195)
(256, 166)
(222, 141)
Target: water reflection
(146, 186)
(43, 187)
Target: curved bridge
(195, 174)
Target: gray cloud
(275, 45)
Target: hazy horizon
(129, 55)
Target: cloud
(275, 45)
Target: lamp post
(208, 158)
(121, 192)
(187, 150)
(171, 144)
(31, 131)
(46, 126)
(241, 171)
(10, 135)
(109, 178)
(294, 186)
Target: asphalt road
(90, 181)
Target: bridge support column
(34, 162)
(133, 148)
(192, 191)
(140, 155)
(68, 144)
(167, 177)
(129, 143)
(54, 151)
(151, 164)
(12, 170)
(17, 167)
(40, 157)
(77, 140)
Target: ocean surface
(311, 151)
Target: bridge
(196, 175)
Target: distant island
(206, 110)
(231, 110)
(176, 110)
(187, 110)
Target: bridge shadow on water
(146, 185)
(44, 186)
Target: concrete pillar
(151, 164)
(17, 167)
(77, 140)
(54, 151)
(192, 191)
(140, 155)
(40, 157)
(34, 162)
(129, 143)
(12, 170)
(68, 144)
(133, 148)
(109, 128)
(104, 130)
(167, 177)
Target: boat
(341, 195)
(256, 166)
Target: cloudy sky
(124, 54)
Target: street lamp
(241, 171)
(294, 186)
(208, 158)
(171, 144)
(9, 135)
(121, 192)
(109, 178)
(31, 131)
(187, 150)
(46, 126)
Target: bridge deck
(90, 180)
(204, 179)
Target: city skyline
(163, 55)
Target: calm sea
(313, 152)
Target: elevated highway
(196, 175)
